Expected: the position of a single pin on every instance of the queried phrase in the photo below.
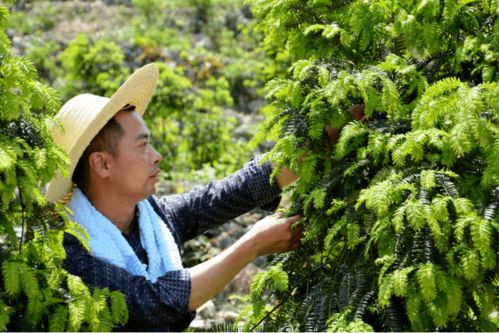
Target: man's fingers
(293, 219)
(296, 228)
(296, 238)
(297, 234)
(357, 111)
(296, 241)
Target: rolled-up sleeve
(219, 201)
(174, 289)
(264, 191)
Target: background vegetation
(401, 214)
(209, 65)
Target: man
(135, 237)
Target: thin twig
(271, 311)
(22, 219)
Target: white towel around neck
(107, 242)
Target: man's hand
(333, 134)
(275, 234)
(272, 234)
(357, 112)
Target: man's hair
(106, 140)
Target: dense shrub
(401, 214)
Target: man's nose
(156, 156)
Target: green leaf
(76, 286)
(470, 262)
(385, 291)
(29, 281)
(58, 320)
(439, 208)
(279, 277)
(351, 136)
(413, 308)
(454, 294)
(331, 30)
(481, 234)
(427, 283)
(416, 214)
(398, 219)
(314, 28)
(76, 310)
(336, 206)
(119, 310)
(400, 281)
(315, 125)
(11, 277)
(7, 158)
(333, 233)
(302, 69)
(274, 275)
(353, 234)
(323, 75)
(319, 195)
(5, 312)
(428, 179)
(358, 325)
(34, 310)
(437, 311)
(459, 139)
(40, 158)
(377, 197)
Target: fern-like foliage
(401, 214)
(36, 294)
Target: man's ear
(99, 163)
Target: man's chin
(151, 187)
(146, 194)
(152, 191)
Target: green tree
(401, 214)
(189, 127)
(36, 294)
(92, 66)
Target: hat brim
(136, 91)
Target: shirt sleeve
(219, 201)
(162, 304)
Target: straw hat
(83, 116)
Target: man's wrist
(250, 245)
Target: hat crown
(79, 110)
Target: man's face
(134, 171)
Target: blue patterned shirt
(163, 305)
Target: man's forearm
(285, 177)
(209, 277)
(272, 234)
